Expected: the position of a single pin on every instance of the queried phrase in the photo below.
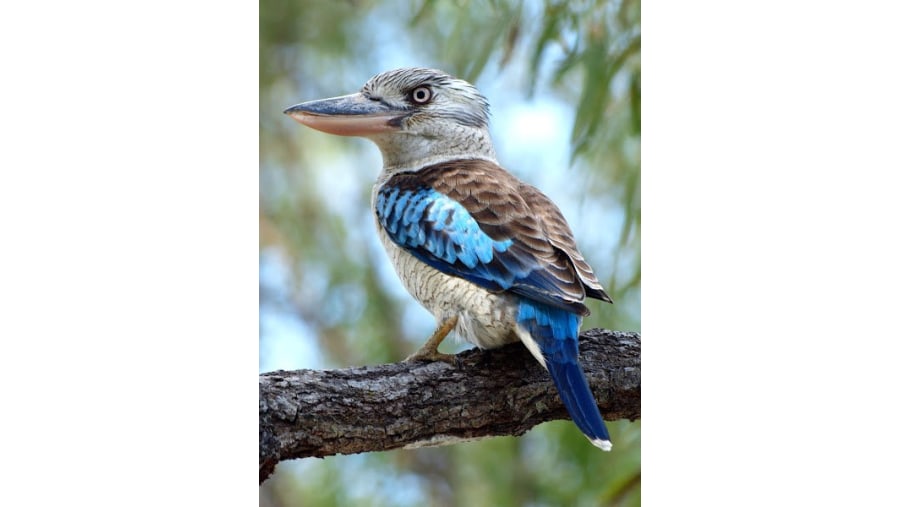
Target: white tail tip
(606, 445)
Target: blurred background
(564, 83)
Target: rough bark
(317, 413)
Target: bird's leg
(429, 350)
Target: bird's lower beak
(348, 115)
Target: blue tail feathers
(556, 333)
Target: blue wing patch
(440, 231)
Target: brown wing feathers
(506, 208)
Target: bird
(487, 254)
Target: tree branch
(504, 391)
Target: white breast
(485, 319)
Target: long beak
(348, 115)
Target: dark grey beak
(347, 115)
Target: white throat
(412, 151)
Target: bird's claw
(432, 355)
(429, 350)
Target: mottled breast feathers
(474, 220)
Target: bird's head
(416, 116)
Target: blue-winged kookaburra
(488, 255)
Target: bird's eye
(421, 95)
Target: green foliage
(315, 220)
(471, 33)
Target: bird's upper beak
(348, 115)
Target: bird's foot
(429, 350)
(431, 355)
